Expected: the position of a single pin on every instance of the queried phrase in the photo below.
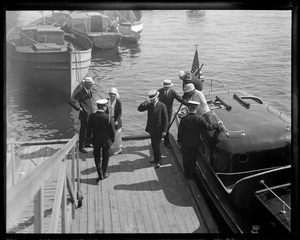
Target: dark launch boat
(245, 168)
(44, 56)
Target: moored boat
(240, 165)
(46, 57)
(130, 23)
(96, 26)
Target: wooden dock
(135, 198)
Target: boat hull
(60, 71)
(253, 144)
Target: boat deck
(135, 198)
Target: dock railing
(32, 188)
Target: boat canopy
(89, 22)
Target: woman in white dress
(115, 112)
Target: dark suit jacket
(190, 128)
(157, 121)
(85, 101)
(192, 78)
(117, 114)
(103, 130)
(169, 99)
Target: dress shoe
(118, 152)
(88, 145)
(106, 175)
(82, 150)
(152, 161)
(157, 165)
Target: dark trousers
(156, 146)
(101, 164)
(83, 138)
(166, 139)
(189, 156)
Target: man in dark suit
(167, 96)
(157, 123)
(102, 130)
(189, 77)
(84, 102)
(188, 137)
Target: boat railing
(215, 86)
(32, 187)
(284, 204)
(228, 133)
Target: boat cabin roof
(256, 127)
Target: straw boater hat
(153, 94)
(88, 80)
(189, 87)
(102, 101)
(167, 83)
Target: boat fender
(227, 107)
(241, 101)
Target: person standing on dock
(189, 77)
(167, 96)
(157, 123)
(192, 94)
(84, 102)
(102, 130)
(115, 112)
(188, 137)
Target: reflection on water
(38, 114)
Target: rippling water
(250, 49)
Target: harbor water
(249, 49)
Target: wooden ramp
(136, 198)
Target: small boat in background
(94, 25)
(130, 23)
(44, 56)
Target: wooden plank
(142, 187)
(120, 179)
(151, 179)
(127, 170)
(91, 186)
(116, 226)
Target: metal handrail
(283, 202)
(31, 187)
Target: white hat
(102, 101)
(153, 94)
(88, 80)
(189, 87)
(193, 103)
(167, 83)
(181, 73)
(114, 91)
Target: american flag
(195, 65)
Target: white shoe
(118, 152)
